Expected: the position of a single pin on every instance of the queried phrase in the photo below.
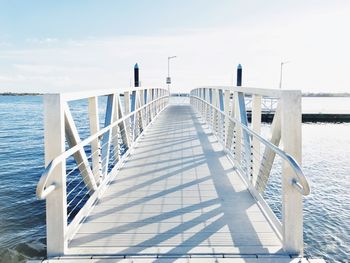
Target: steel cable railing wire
(79, 193)
(82, 178)
(43, 190)
(83, 197)
(301, 183)
(77, 190)
(270, 174)
(267, 180)
(88, 157)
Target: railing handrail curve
(303, 187)
(42, 191)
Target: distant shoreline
(20, 94)
(341, 94)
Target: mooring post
(239, 75)
(133, 101)
(238, 99)
(136, 76)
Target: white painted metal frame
(60, 127)
(286, 127)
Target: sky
(58, 46)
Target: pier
(162, 179)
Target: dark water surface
(326, 162)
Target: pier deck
(180, 182)
(177, 194)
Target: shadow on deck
(177, 195)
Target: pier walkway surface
(177, 197)
(177, 194)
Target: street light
(282, 63)
(168, 79)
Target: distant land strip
(342, 94)
(19, 94)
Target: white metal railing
(268, 104)
(259, 160)
(77, 171)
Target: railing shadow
(226, 196)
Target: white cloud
(42, 41)
(316, 43)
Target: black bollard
(239, 75)
(136, 76)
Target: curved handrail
(42, 191)
(302, 185)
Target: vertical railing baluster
(106, 138)
(256, 126)
(237, 132)
(227, 113)
(116, 130)
(56, 202)
(126, 112)
(95, 144)
(133, 117)
(220, 119)
(207, 106)
(292, 200)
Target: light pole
(282, 63)
(168, 79)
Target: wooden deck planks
(177, 193)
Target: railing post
(227, 113)
(153, 114)
(140, 115)
(207, 107)
(56, 202)
(123, 131)
(95, 144)
(215, 114)
(116, 130)
(147, 109)
(256, 126)
(158, 102)
(221, 121)
(237, 131)
(203, 104)
(292, 203)
(210, 121)
(133, 118)
(200, 105)
(127, 111)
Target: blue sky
(81, 19)
(49, 46)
